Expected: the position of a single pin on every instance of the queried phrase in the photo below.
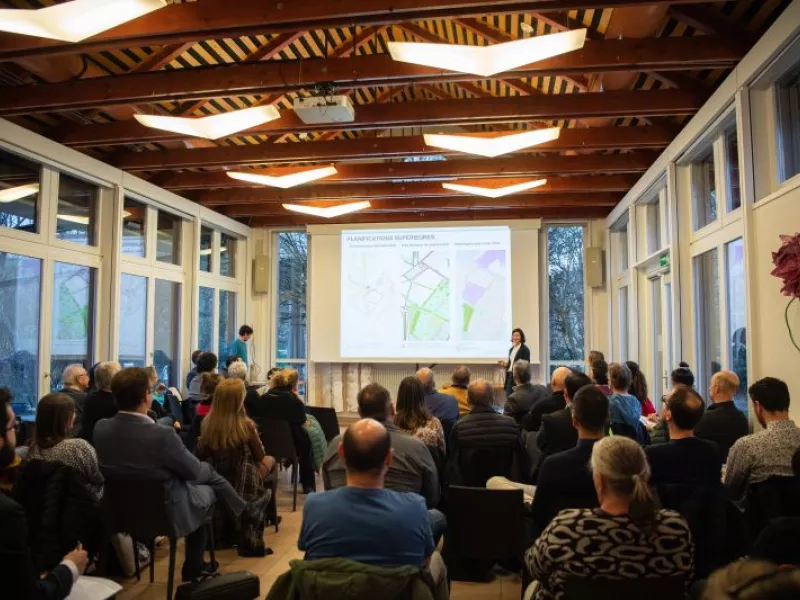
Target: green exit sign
(664, 260)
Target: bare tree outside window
(292, 302)
(566, 301)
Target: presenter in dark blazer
(518, 351)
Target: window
(565, 293)
(134, 219)
(653, 226)
(133, 321)
(787, 94)
(20, 299)
(166, 347)
(291, 296)
(77, 205)
(19, 192)
(205, 320)
(227, 255)
(737, 316)
(228, 329)
(734, 192)
(206, 243)
(623, 323)
(168, 238)
(622, 236)
(72, 335)
(704, 191)
(707, 317)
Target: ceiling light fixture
(494, 192)
(284, 181)
(77, 219)
(331, 211)
(214, 126)
(492, 146)
(18, 193)
(488, 60)
(76, 20)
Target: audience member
(593, 356)
(282, 402)
(364, 522)
(92, 380)
(208, 385)
(9, 470)
(533, 420)
(231, 360)
(639, 388)
(159, 412)
(442, 406)
(753, 580)
(564, 479)
(723, 423)
(99, 404)
(75, 383)
(413, 416)
(193, 372)
(518, 351)
(525, 394)
(239, 345)
(627, 537)
(599, 374)
(767, 453)
(685, 459)
(238, 370)
(20, 577)
(206, 363)
(624, 409)
(459, 382)
(681, 375)
(55, 417)
(484, 443)
(130, 441)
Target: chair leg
(295, 476)
(152, 548)
(173, 548)
(136, 560)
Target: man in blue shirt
(442, 406)
(239, 345)
(365, 522)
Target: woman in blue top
(624, 408)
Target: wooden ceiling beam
(162, 57)
(678, 80)
(654, 54)
(474, 111)
(587, 138)
(708, 22)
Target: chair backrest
(637, 434)
(775, 497)
(327, 420)
(592, 588)
(136, 503)
(478, 465)
(484, 523)
(276, 435)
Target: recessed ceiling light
(494, 192)
(214, 126)
(488, 60)
(19, 192)
(492, 146)
(76, 20)
(285, 181)
(331, 211)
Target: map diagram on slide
(481, 281)
(425, 288)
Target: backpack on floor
(242, 585)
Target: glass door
(660, 291)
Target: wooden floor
(284, 545)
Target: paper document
(93, 588)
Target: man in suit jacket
(565, 480)
(533, 420)
(723, 423)
(74, 383)
(131, 441)
(100, 404)
(442, 406)
(18, 575)
(525, 394)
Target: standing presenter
(239, 345)
(518, 351)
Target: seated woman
(55, 418)
(159, 412)
(229, 442)
(627, 537)
(413, 417)
(208, 385)
(639, 389)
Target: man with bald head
(723, 423)
(441, 406)
(556, 401)
(365, 522)
(75, 382)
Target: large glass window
(227, 255)
(133, 321)
(19, 192)
(72, 335)
(205, 320)
(787, 93)
(704, 191)
(291, 296)
(206, 243)
(737, 316)
(565, 294)
(168, 238)
(228, 329)
(734, 192)
(166, 346)
(77, 206)
(134, 221)
(709, 343)
(20, 300)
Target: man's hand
(79, 557)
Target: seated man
(131, 441)
(565, 480)
(442, 406)
(533, 420)
(99, 404)
(759, 456)
(74, 383)
(365, 522)
(459, 382)
(685, 459)
(723, 423)
(525, 394)
(18, 573)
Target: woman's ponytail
(642, 509)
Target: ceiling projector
(324, 109)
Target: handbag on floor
(229, 586)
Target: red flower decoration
(787, 265)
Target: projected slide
(426, 293)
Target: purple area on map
(472, 293)
(490, 256)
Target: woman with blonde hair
(627, 537)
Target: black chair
(775, 497)
(327, 419)
(592, 588)
(477, 465)
(276, 435)
(483, 527)
(138, 504)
